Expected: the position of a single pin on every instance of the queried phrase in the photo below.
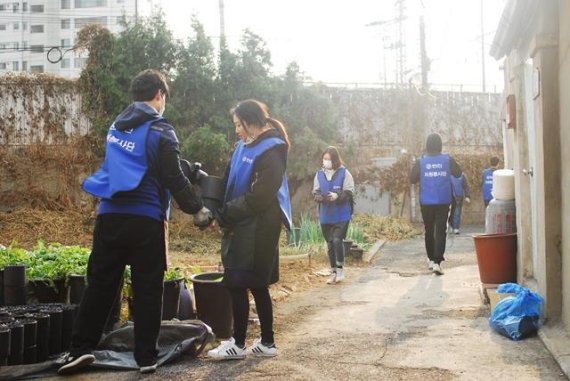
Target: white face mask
(327, 164)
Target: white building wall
(43, 24)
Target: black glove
(318, 197)
(221, 219)
(193, 171)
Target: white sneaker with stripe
(260, 350)
(227, 350)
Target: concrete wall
(564, 89)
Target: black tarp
(115, 351)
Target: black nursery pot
(4, 342)
(1, 288)
(171, 299)
(42, 336)
(14, 285)
(49, 292)
(55, 326)
(16, 343)
(77, 285)
(67, 326)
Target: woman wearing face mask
(333, 189)
(256, 203)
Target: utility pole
(401, 55)
(222, 26)
(482, 49)
(423, 58)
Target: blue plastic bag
(516, 316)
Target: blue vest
(435, 187)
(487, 187)
(333, 212)
(123, 170)
(457, 186)
(241, 170)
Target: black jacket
(250, 251)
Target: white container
(501, 217)
(503, 184)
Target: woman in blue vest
(333, 189)
(256, 203)
(433, 171)
(487, 180)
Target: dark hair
(433, 143)
(145, 85)
(494, 161)
(256, 113)
(335, 156)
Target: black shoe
(74, 362)
(148, 368)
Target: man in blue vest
(487, 180)
(140, 171)
(433, 171)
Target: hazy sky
(330, 41)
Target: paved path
(394, 320)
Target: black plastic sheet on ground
(115, 351)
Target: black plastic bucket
(170, 299)
(212, 189)
(76, 287)
(16, 343)
(213, 303)
(15, 285)
(1, 287)
(346, 244)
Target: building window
(36, 29)
(66, 43)
(24, 7)
(24, 65)
(15, 7)
(79, 62)
(37, 48)
(3, 46)
(4, 7)
(2, 65)
(65, 63)
(24, 25)
(65, 23)
(2, 26)
(90, 3)
(16, 26)
(16, 45)
(65, 4)
(15, 65)
(37, 68)
(24, 45)
(38, 8)
(81, 22)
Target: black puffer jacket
(250, 252)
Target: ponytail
(281, 129)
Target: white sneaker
(332, 278)
(260, 350)
(455, 231)
(339, 275)
(227, 350)
(437, 269)
(430, 264)
(148, 369)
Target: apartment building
(30, 28)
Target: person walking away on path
(487, 180)
(460, 192)
(140, 170)
(433, 171)
(333, 190)
(256, 203)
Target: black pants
(435, 223)
(119, 240)
(334, 234)
(240, 305)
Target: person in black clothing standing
(433, 171)
(140, 171)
